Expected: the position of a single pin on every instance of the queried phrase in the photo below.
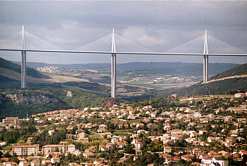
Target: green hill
(219, 85)
(7, 65)
(42, 97)
(6, 82)
(238, 70)
(228, 86)
(10, 74)
(14, 102)
(10, 78)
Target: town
(201, 130)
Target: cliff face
(2, 99)
(20, 98)
(20, 103)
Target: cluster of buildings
(10, 122)
(203, 131)
(33, 149)
(48, 69)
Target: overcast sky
(176, 26)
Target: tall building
(25, 150)
(11, 122)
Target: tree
(129, 148)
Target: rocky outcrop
(2, 99)
(29, 98)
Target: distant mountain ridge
(168, 68)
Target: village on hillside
(203, 131)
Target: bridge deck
(119, 53)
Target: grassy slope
(55, 94)
(17, 68)
(238, 70)
(219, 87)
(55, 98)
(8, 83)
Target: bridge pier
(205, 68)
(23, 69)
(113, 66)
(205, 58)
(23, 59)
(113, 75)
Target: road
(227, 78)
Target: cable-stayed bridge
(91, 48)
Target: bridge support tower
(23, 69)
(113, 67)
(205, 58)
(23, 60)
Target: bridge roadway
(122, 53)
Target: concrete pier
(205, 68)
(205, 58)
(113, 75)
(23, 59)
(23, 69)
(113, 66)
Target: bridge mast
(23, 59)
(113, 66)
(205, 58)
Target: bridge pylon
(205, 58)
(113, 66)
(23, 59)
